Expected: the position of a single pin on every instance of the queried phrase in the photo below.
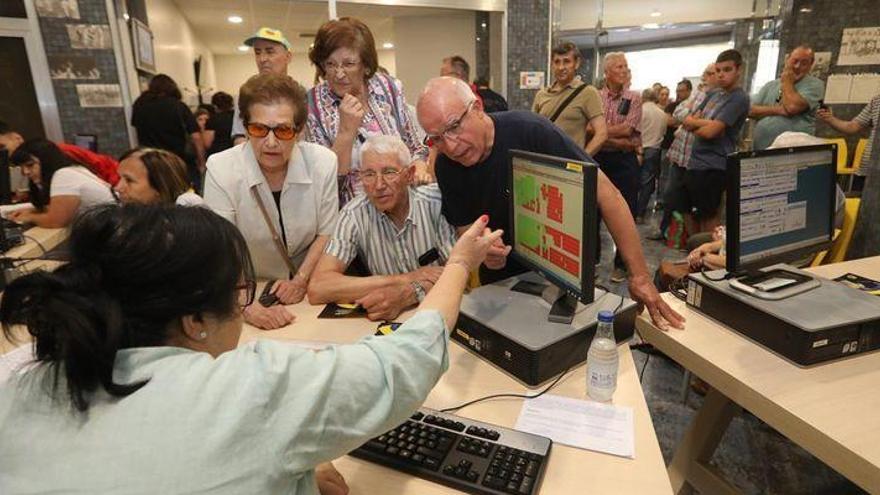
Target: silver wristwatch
(419, 291)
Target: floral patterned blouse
(387, 114)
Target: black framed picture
(144, 56)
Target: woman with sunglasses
(139, 385)
(59, 187)
(281, 193)
(355, 101)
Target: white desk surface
(832, 410)
(570, 471)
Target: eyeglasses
(346, 66)
(389, 175)
(452, 131)
(283, 132)
(245, 293)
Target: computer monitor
(780, 207)
(553, 223)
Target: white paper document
(837, 88)
(580, 423)
(15, 361)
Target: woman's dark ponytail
(134, 272)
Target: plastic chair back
(837, 253)
(860, 151)
(843, 167)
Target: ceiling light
(622, 30)
(126, 17)
(806, 10)
(656, 13)
(243, 48)
(235, 19)
(483, 24)
(651, 25)
(387, 45)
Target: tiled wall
(822, 29)
(481, 67)
(528, 25)
(106, 123)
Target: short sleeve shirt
(577, 114)
(79, 181)
(731, 108)
(388, 250)
(163, 123)
(811, 89)
(484, 188)
(869, 117)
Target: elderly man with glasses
(473, 169)
(396, 229)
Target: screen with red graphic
(548, 212)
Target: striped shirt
(614, 106)
(869, 117)
(680, 151)
(387, 250)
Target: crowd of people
(299, 187)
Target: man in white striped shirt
(397, 230)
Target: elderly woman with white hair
(396, 228)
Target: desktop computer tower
(510, 329)
(825, 323)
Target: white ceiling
(583, 14)
(294, 18)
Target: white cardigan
(309, 201)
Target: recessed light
(243, 48)
(387, 45)
(656, 13)
(483, 24)
(806, 10)
(622, 30)
(235, 19)
(651, 25)
(478, 38)
(126, 17)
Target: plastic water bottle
(602, 360)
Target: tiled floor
(753, 456)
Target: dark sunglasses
(283, 132)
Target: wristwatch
(418, 290)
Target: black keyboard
(464, 454)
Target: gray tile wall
(528, 26)
(106, 123)
(481, 67)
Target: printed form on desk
(580, 423)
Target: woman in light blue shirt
(139, 386)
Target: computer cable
(644, 366)
(549, 387)
(38, 243)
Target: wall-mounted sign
(531, 80)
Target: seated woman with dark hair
(150, 175)
(139, 386)
(59, 187)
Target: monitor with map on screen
(554, 223)
(780, 209)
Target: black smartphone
(623, 106)
(387, 328)
(429, 257)
(822, 105)
(267, 298)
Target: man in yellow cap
(272, 55)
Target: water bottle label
(602, 380)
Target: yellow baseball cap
(268, 34)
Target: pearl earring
(203, 335)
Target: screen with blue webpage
(785, 203)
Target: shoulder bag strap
(279, 245)
(565, 103)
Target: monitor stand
(562, 304)
(774, 282)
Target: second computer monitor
(554, 219)
(780, 205)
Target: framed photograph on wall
(144, 56)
